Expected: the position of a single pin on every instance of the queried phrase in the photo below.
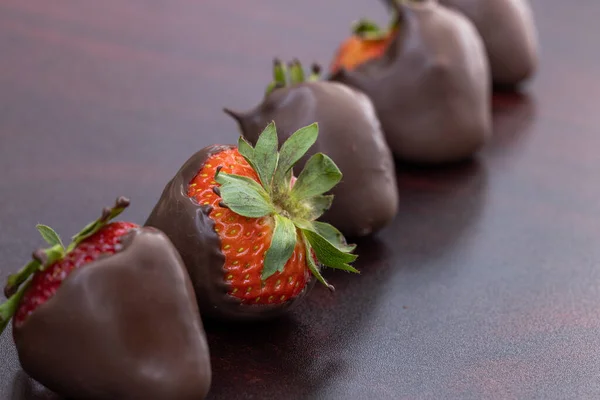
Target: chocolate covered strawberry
(508, 30)
(366, 200)
(431, 86)
(247, 230)
(90, 320)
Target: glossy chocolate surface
(366, 199)
(123, 327)
(191, 230)
(508, 31)
(431, 88)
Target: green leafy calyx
(369, 30)
(292, 74)
(294, 206)
(18, 282)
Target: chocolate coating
(349, 132)
(509, 34)
(192, 232)
(126, 326)
(431, 88)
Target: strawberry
(46, 282)
(91, 319)
(51, 266)
(368, 41)
(349, 132)
(247, 229)
(430, 88)
(245, 240)
(509, 33)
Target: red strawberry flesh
(244, 241)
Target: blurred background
(485, 284)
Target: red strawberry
(248, 236)
(96, 316)
(244, 241)
(51, 266)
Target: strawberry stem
(9, 307)
(369, 30)
(41, 259)
(292, 75)
(315, 73)
(296, 72)
(107, 214)
(366, 26)
(279, 72)
(15, 280)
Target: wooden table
(487, 283)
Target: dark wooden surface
(487, 283)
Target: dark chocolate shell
(366, 199)
(192, 232)
(126, 326)
(431, 88)
(509, 34)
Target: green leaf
(303, 224)
(318, 176)
(279, 73)
(244, 196)
(369, 30)
(246, 150)
(366, 26)
(311, 264)
(328, 232)
(328, 254)
(296, 72)
(225, 179)
(282, 246)
(49, 235)
(316, 206)
(333, 236)
(265, 155)
(294, 148)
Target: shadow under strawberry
(25, 388)
(438, 211)
(513, 115)
(319, 349)
(268, 359)
(298, 355)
